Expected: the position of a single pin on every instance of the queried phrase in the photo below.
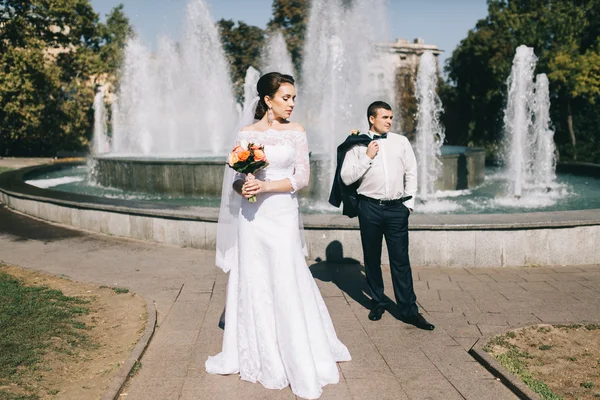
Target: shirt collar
(371, 134)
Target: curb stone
(114, 389)
(509, 380)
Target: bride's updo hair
(268, 85)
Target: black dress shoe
(376, 313)
(419, 321)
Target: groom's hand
(372, 149)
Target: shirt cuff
(365, 161)
(410, 204)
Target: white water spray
(430, 133)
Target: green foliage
(114, 35)
(52, 54)
(290, 17)
(136, 368)
(33, 321)
(242, 44)
(565, 36)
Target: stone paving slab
(390, 359)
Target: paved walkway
(391, 360)
(21, 162)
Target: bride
(277, 328)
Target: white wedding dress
(277, 328)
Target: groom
(380, 171)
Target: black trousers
(389, 221)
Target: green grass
(136, 368)
(117, 290)
(592, 327)
(514, 361)
(34, 321)
(4, 169)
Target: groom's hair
(372, 110)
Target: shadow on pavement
(21, 228)
(348, 275)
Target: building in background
(398, 62)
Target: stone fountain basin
(467, 240)
(462, 168)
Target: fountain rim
(12, 183)
(218, 159)
(197, 160)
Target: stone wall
(431, 246)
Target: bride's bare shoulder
(249, 128)
(295, 126)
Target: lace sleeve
(302, 166)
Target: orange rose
(255, 146)
(243, 155)
(259, 155)
(233, 158)
(237, 149)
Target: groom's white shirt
(391, 174)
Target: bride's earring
(270, 116)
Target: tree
(50, 59)
(565, 37)
(291, 18)
(242, 44)
(56, 23)
(114, 35)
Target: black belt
(385, 202)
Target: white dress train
(277, 328)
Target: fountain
(544, 164)
(530, 151)
(168, 119)
(250, 81)
(430, 133)
(174, 118)
(100, 143)
(442, 170)
(276, 56)
(517, 118)
(168, 129)
(336, 88)
(172, 103)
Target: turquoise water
(570, 192)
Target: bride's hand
(253, 187)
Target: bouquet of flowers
(247, 158)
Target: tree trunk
(571, 131)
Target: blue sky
(440, 22)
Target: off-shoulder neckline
(273, 130)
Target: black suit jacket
(340, 193)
